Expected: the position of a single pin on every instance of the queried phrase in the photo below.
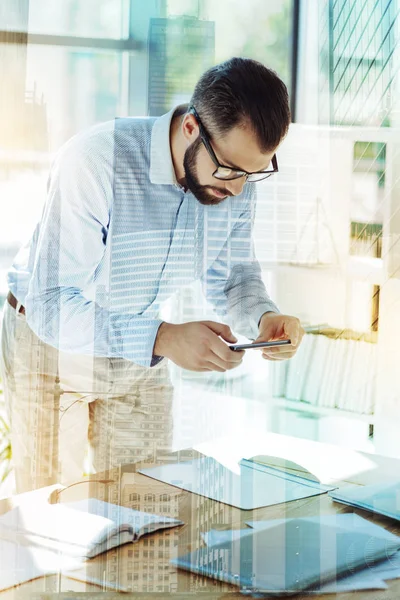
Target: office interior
(327, 225)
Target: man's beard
(203, 193)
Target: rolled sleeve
(71, 244)
(233, 283)
(139, 340)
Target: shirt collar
(161, 166)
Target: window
(364, 41)
(87, 62)
(92, 18)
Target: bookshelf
(306, 241)
(320, 411)
(337, 263)
(333, 373)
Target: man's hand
(196, 346)
(279, 327)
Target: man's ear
(190, 128)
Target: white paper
(255, 486)
(19, 563)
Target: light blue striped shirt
(118, 236)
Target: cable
(53, 498)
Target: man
(135, 209)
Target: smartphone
(237, 347)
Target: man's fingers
(295, 331)
(222, 330)
(280, 350)
(214, 367)
(277, 356)
(216, 360)
(228, 356)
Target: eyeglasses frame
(205, 138)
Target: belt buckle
(18, 308)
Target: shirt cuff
(257, 313)
(156, 360)
(143, 338)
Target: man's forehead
(239, 148)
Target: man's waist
(12, 301)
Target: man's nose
(235, 186)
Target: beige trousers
(64, 407)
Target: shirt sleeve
(233, 283)
(71, 245)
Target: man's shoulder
(133, 134)
(109, 132)
(100, 142)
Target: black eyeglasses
(227, 173)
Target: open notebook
(81, 529)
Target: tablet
(294, 555)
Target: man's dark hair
(243, 92)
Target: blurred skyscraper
(180, 50)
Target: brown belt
(12, 301)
